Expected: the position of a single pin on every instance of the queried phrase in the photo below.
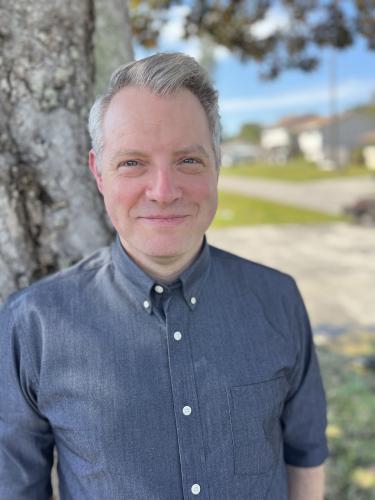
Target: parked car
(362, 210)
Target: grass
(296, 171)
(351, 416)
(238, 210)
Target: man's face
(158, 178)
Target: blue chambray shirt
(205, 389)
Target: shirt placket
(185, 400)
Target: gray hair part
(163, 74)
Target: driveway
(334, 265)
(328, 195)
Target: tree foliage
(309, 26)
(250, 132)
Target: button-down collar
(140, 285)
(137, 282)
(195, 276)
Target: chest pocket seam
(255, 411)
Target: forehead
(138, 111)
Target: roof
(368, 137)
(318, 122)
(298, 123)
(293, 121)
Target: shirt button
(195, 489)
(193, 300)
(177, 335)
(159, 289)
(146, 304)
(186, 410)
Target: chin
(164, 252)
(167, 248)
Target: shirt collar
(194, 277)
(140, 284)
(137, 282)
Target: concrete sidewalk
(329, 195)
(334, 265)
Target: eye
(129, 163)
(131, 168)
(190, 161)
(191, 165)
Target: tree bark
(121, 6)
(50, 212)
(113, 39)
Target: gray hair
(163, 74)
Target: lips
(163, 219)
(166, 216)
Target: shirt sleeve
(26, 440)
(304, 418)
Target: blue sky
(244, 97)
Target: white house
(236, 152)
(331, 141)
(279, 141)
(310, 140)
(368, 141)
(275, 137)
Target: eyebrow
(193, 148)
(126, 152)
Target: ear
(94, 168)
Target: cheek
(204, 196)
(212, 208)
(120, 194)
(205, 193)
(197, 186)
(215, 201)
(119, 198)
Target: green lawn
(351, 416)
(296, 171)
(237, 210)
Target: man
(161, 368)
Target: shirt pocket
(255, 411)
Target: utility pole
(334, 125)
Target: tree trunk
(113, 39)
(50, 212)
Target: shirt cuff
(311, 458)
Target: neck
(162, 269)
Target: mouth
(164, 219)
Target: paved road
(334, 265)
(329, 195)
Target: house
(280, 141)
(368, 151)
(236, 152)
(330, 142)
(310, 139)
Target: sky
(244, 97)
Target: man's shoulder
(63, 282)
(239, 268)
(233, 262)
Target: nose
(164, 187)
